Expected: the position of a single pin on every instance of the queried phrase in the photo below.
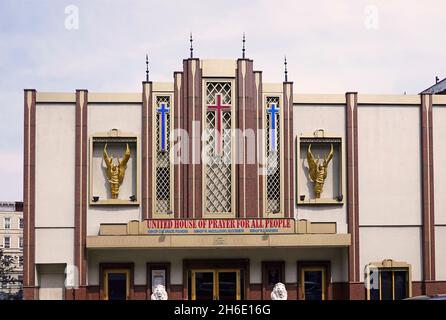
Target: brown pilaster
(288, 149)
(246, 173)
(428, 229)
(146, 203)
(81, 198)
(239, 148)
(198, 114)
(258, 102)
(178, 189)
(352, 188)
(29, 290)
(192, 101)
(186, 126)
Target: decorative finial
(243, 49)
(286, 70)
(147, 67)
(437, 79)
(191, 47)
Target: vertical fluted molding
(428, 213)
(147, 121)
(29, 157)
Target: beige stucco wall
(389, 162)
(102, 118)
(331, 118)
(175, 257)
(55, 156)
(439, 152)
(389, 149)
(55, 167)
(439, 145)
(218, 68)
(397, 243)
(440, 253)
(52, 287)
(55, 245)
(51, 281)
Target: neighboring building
(228, 226)
(11, 241)
(438, 88)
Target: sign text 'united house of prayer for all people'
(220, 226)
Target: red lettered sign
(220, 226)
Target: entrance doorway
(272, 273)
(313, 283)
(216, 284)
(116, 284)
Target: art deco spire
(286, 70)
(243, 48)
(147, 67)
(191, 47)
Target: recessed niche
(114, 169)
(319, 169)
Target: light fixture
(340, 198)
(302, 197)
(132, 198)
(95, 198)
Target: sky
(380, 46)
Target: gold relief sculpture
(116, 172)
(318, 171)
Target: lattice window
(218, 170)
(162, 159)
(273, 147)
(215, 88)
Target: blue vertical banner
(272, 111)
(163, 111)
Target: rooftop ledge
(298, 98)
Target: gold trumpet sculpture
(116, 172)
(318, 171)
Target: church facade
(220, 185)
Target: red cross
(218, 108)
